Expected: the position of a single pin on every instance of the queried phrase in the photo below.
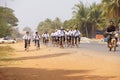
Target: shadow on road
(36, 57)
(15, 73)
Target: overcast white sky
(31, 12)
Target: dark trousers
(72, 40)
(37, 43)
(27, 43)
(62, 40)
(77, 39)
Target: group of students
(59, 37)
(27, 39)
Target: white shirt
(61, 32)
(76, 33)
(46, 36)
(67, 33)
(52, 34)
(70, 32)
(37, 37)
(56, 33)
(27, 37)
(43, 34)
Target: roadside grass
(5, 51)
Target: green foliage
(88, 19)
(49, 25)
(111, 9)
(7, 21)
(27, 29)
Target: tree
(81, 15)
(56, 23)
(95, 18)
(49, 25)
(111, 9)
(27, 29)
(7, 21)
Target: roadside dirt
(51, 63)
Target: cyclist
(27, 39)
(37, 39)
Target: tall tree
(49, 25)
(7, 21)
(81, 15)
(95, 17)
(111, 8)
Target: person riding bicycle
(27, 39)
(61, 33)
(111, 28)
(77, 35)
(37, 39)
(46, 37)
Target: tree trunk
(86, 29)
(92, 31)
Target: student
(62, 36)
(67, 35)
(46, 37)
(43, 38)
(56, 37)
(77, 36)
(37, 39)
(71, 32)
(27, 39)
(53, 37)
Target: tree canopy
(89, 19)
(7, 21)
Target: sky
(31, 12)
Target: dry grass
(5, 51)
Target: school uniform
(43, 38)
(27, 39)
(37, 40)
(56, 37)
(46, 36)
(71, 32)
(62, 36)
(53, 36)
(67, 36)
(77, 36)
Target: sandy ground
(51, 63)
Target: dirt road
(51, 63)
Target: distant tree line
(89, 19)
